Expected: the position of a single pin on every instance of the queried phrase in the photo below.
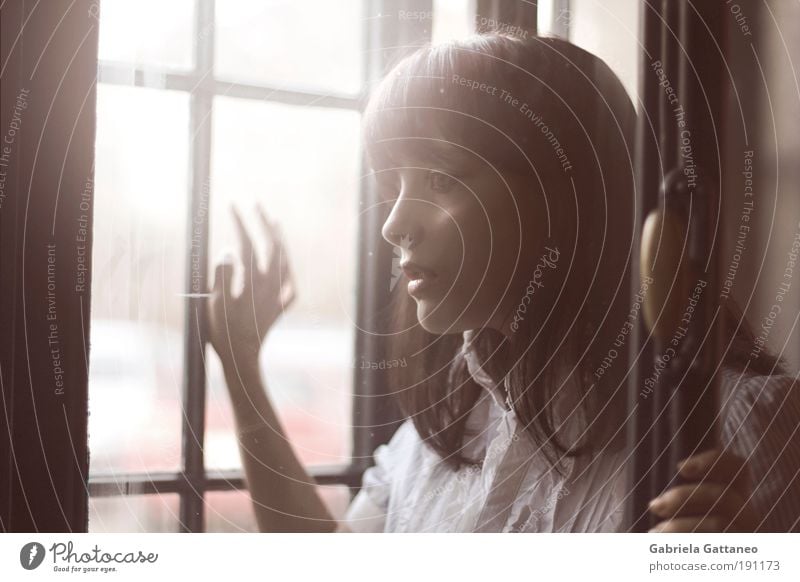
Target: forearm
(285, 497)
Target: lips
(414, 271)
(419, 277)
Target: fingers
(262, 215)
(288, 297)
(276, 280)
(697, 499)
(217, 307)
(246, 245)
(708, 524)
(715, 501)
(276, 251)
(715, 465)
(223, 274)
(278, 259)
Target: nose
(403, 227)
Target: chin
(437, 321)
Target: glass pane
(148, 33)
(452, 19)
(545, 17)
(552, 17)
(137, 314)
(229, 511)
(134, 514)
(315, 44)
(232, 511)
(609, 30)
(265, 152)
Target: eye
(388, 185)
(440, 182)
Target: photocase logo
(31, 555)
(405, 242)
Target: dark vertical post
(703, 88)
(47, 130)
(641, 437)
(674, 394)
(194, 387)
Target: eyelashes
(440, 183)
(389, 183)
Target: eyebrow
(422, 156)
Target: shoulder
(760, 424)
(758, 398)
(761, 410)
(392, 459)
(382, 482)
(404, 440)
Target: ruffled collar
(569, 418)
(496, 390)
(490, 420)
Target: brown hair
(545, 108)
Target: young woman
(507, 165)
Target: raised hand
(238, 324)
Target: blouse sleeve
(761, 426)
(367, 512)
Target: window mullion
(194, 387)
(118, 74)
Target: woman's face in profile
(463, 238)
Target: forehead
(429, 151)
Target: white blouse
(409, 489)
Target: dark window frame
(49, 56)
(43, 439)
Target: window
(191, 118)
(224, 104)
(221, 104)
(609, 30)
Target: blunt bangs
(420, 114)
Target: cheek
(496, 244)
(476, 245)
(483, 244)
(490, 254)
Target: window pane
(452, 19)
(134, 514)
(137, 314)
(302, 164)
(315, 44)
(609, 30)
(149, 33)
(232, 511)
(552, 17)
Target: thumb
(223, 274)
